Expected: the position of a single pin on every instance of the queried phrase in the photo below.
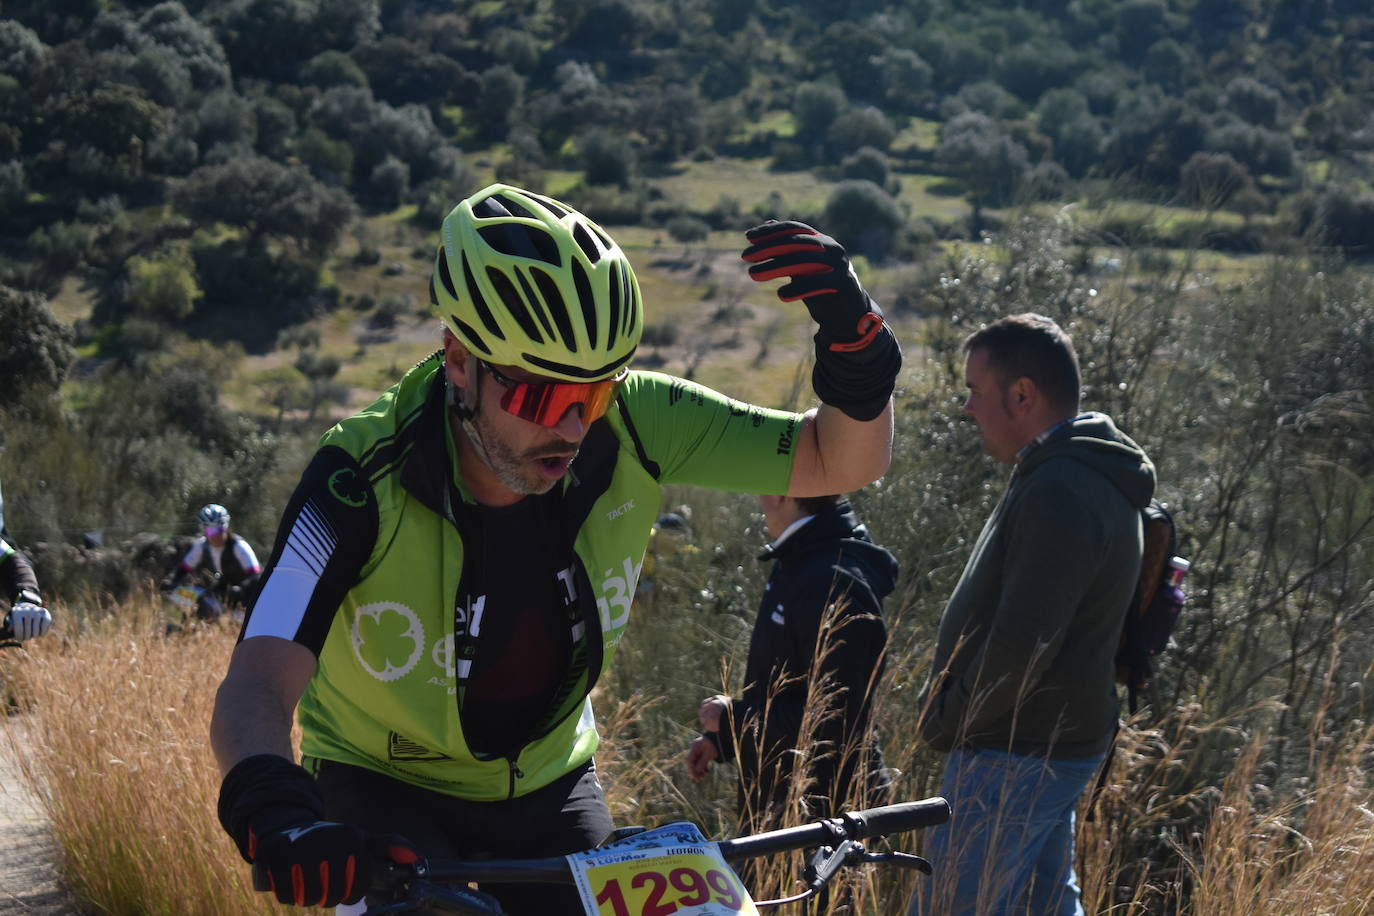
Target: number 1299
(696, 889)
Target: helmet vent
(605, 239)
(551, 206)
(616, 290)
(519, 241)
(514, 207)
(479, 302)
(585, 299)
(470, 336)
(445, 277)
(548, 287)
(586, 243)
(534, 302)
(492, 207)
(514, 304)
(628, 298)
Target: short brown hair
(1034, 347)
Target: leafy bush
(866, 163)
(863, 217)
(606, 158)
(163, 286)
(35, 350)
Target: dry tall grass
(112, 737)
(114, 742)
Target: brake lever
(902, 859)
(826, 861)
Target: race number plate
(185, 597)
(669, 871)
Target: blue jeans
(1008, 846)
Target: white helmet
(213, 516)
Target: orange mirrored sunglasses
(545, 403)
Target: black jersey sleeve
(323, 544)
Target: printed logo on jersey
(388, 640)
(786, 437)
(618, 511)
(617, 592)
(442, 655)
(399, 747)
(348, 488)
(678, 389)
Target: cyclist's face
(523, 457)
(988, 404)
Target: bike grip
(262, 881)
(898, 818)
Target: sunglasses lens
(547, 403)
(213, 531)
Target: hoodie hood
(878, 563)
(1094, 440)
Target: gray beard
(502, 460)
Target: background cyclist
(220, 560)
(457, 564)
(27, 617)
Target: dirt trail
(28, 880)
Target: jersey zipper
(515, 773)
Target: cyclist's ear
(455, 359)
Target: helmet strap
(467, 415)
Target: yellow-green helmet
(523, 280)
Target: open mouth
(554, 465)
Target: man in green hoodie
(1022, 694)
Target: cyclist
(456, 567)
(221, 558)
(27, 617)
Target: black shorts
(567, 815)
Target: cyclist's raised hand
(820, 275)
(28, 620)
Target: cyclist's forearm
(16, 575)
(256, 702)
(246, 723)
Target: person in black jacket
(814, 661)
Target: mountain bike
(652, 872)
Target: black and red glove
(319, 863)
(857, 357)
(820, 276)
(275, 814)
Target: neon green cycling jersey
(370, 572)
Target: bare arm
(257, 699)
(838, 454)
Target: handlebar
(854, 825)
